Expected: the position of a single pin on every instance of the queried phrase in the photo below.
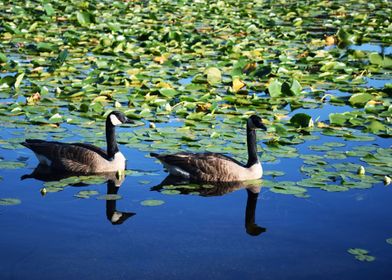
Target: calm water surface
(190, 237)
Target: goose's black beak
(262, 126)
(129, 121)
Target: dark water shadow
(218, 189)
(113, 181)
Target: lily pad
(361, 254)
(109, 197)
(86, 194)
(213, 75)
(170, 192)
(9, 201)
(152, 202)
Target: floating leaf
(152, 202)
(361, 254)
(9, 201)
(3, 58)
(287, 189)
(84, 18)
(214, 75)
(338, 119)
(11, 164)
(170, 192)
(334, 188)
(345, 37)
(237, 84)
(109, 197)
(86, 194)
(273, 173)
(275, 88)
(384, 62)
(376, 127)
(360, 99)
(46, 47)
(18, 80)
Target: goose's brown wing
(204, 166)
(71, 157)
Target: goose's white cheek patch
(114, 120)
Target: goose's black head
(117, 118)
(255, 122)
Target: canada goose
(214, 167)
(79, 157)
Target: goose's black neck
(112, 148)
(252, 148)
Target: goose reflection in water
(113, 180)
(218, 189)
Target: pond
(189, 73)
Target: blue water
(387, 50)
(190, 237)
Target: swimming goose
(79, 157)
(214, 167)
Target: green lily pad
(360, 99)
(334, 188)
(109, 197)
(273, 173)
(9, 201)
(213, 75)
(334, 144)
(11, 164)
(361, 254)
(152, 202)
(358, 251)
(287, 189)
(170, 192)
(86, 194)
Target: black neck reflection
(250, 214)
(115, 217)
(219, 189)
(112, 214)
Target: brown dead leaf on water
(330, 40)
(250, 67)
(34, 98)
(160, 59)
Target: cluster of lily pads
(361, 254)
(190, 72)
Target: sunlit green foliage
(204, 66)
